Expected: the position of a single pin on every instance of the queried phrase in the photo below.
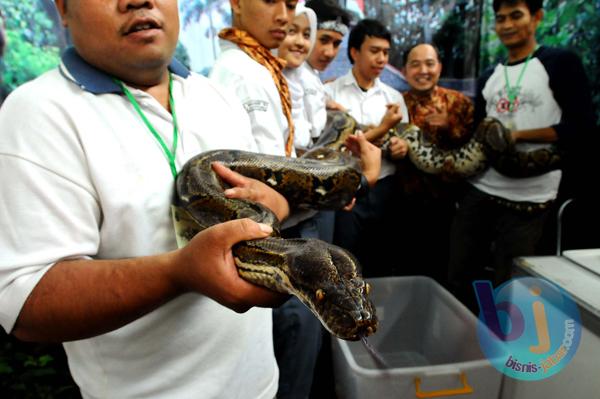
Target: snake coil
(324, 277)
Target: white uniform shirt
(369, 107)
(314, 99)
(253, 85)
(302, 127)
(82, 177)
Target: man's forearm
(83, 298)
(375, 133)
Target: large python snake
(490, 145)
(324, 277)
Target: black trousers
(297, 333)
(485, 238)
(365, 230)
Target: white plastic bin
(428, 341)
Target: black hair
(407, 52)
(329, 10)
(364, 28)
(532, 5)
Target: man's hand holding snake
(398, 148)
(253, 190)
(206, 266)
(369, 154)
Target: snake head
(326, 278)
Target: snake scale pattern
(324, 277)
(489, 146)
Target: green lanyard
(170, 154)
(513, 92)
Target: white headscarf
(312, 22)
(302, 137)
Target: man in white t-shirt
(373, 103)
(89, 255)
(542, 95)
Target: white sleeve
(259, 104)
(302, 129)
(396, 97)
(330, 91)
(48, 211)
(404, 108)
(316, 112)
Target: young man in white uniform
(89, 255)
(370, 102)
(248, 69)
(251, 81)
(332, 26)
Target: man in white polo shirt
(88, 156)
(370, 102)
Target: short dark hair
(407, 52)
(532, 5)
(329, 10)
(364, 28)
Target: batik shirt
(460, 112)
(460, 115)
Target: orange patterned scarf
(263, 56)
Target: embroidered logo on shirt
(525, 101)
(256, 105)
(310, 92)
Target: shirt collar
(308, 67)
(94, 80)
(348, 80)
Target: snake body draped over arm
(324, 277)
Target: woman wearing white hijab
(295, 49)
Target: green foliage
(32, 43)
(573, 24)
(34, 371)
(25, 61)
